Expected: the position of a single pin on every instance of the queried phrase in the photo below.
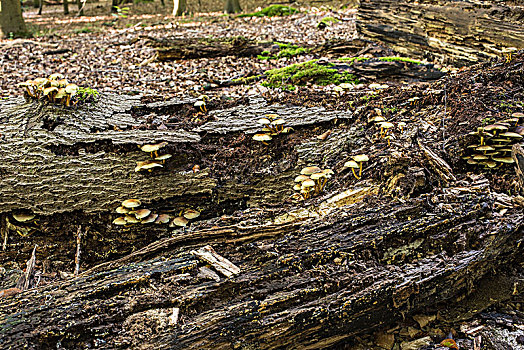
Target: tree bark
(66, 7)
(232, 6)
(460, 32)
(179, 7)
(11, 20)
(312, 274)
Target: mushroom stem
(389, 143)
(203, 108)
(356, 176)
(360, 167)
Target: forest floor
(112, 54)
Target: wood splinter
(221, 264)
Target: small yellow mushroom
(360, 159)
(353, 165)
(262, 138)
(180, 221)
(191, 214)
(153, 148)
(131, 203)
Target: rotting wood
(518, 157)
(438, 164)
(222, 265)
(454, 31)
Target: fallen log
(458, 32)
(256, 269)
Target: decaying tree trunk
(446, 30)
(256, 270)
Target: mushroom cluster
(184, 218)
(157, 161)
(273, 125)
(357, 163)
(495, 140)
(57, 89)
(311, 181)
(386, 128)
(134, 215)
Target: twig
(220, 263)
(444, 118)
(77, 256)
(4, 230)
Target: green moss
(302, 73)
(286, 50)
(273, 10)
(327, 21)
(384, 59)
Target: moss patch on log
(271, 11)
(302, 73)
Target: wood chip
(221, 264)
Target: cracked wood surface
(49, 151)
(310, 284)
(450, 31)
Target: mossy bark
(232, 6)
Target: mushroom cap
(471, 161)
(308, 183)
(328, 172)
(131, 219)
(297, 187)
(56, 76)
(120, 221)
(279, 121)
(485, 148)
(338, 88)
(27, 83)
(20, 217)
(317, 176)
(501, 140)
(492, 127)
(163, 157)
(146, 165)
(271, 116)
(141, 213)
(199, 103)
(377, 119)
(152, 147)
(41, 81)
(346, 85)
(71, 88)
(48, 90)
(162, 219)
(401, 124)
(150, 219)
(122, 210)
(512, 135)
(480, 157)
(287, 130)
(511, 120)
(504, 150)
(504, 124)
(386, 125)
(180, 221)
(191, 214)
(131, 203)
(507, 160)
(262, 137)
(359, 158)
(351, 164)
(310, 170)
(301, 178)
(489, 164)
(264, 121)
(517, 115)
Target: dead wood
(459, 32)
(256, 270)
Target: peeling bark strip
(448, 30)
(222, 265)
(518, 157)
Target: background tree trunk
(11, 19)
(66, 7)
(232, 6)
(179, 7)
